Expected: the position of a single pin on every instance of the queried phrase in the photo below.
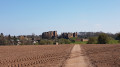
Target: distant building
(68, 35)
(83, 40)
(50, 34)
(75, 34)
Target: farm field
(56, 55)
(34, 56)
(102, 55)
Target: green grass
(114, 42)
(110, 42)
(79, 42)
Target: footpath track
(77, 59)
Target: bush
(73, 39)
(64, 41)
(45, 42)
(49, 42)
(92, 40)
(42, 42)
(103, 39)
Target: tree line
(93, 38)
(104, 38)
(30, 40)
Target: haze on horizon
(24, 17)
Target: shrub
(73, 39)
(64, 41)
(92, 40)
(103, 39)
(42, 42)
(49, 42)
(45, 42)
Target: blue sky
(22, 17)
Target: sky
(24, 17)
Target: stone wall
(50, 34)
(69, 35)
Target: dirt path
(76, 59)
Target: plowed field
(103, 55)
(34, 56)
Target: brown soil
(34, 56)
(103, 55)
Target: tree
(15, 40)
(92, 40)
(2, 39)
(23, 40)
(118, 36)
(9, 38)
(103, 39)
